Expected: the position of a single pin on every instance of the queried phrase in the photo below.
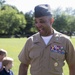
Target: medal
(55, 64)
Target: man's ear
(51, 20)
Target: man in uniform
(46, 50)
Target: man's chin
(42, 34)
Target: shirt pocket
(35, 59)
(56, 61)
(34, 54)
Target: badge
(55, 64)
(57, 49)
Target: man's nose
(38, 25)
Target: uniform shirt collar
(37, 38)
(55, 37)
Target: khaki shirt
(47, 59)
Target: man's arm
(72, 69)
(23, 69)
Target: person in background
(7, 65)
(46, 50)
(3, 54)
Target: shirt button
(56, 64)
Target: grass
(14, 46)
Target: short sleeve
(70, 54)
(24, 55)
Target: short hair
(6, 61)
(2, 52)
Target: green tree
(2, 2)
(29, 22)
(60, 23)
(71, 23)
(11, 20)
(64, 20)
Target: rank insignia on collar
(57, 49)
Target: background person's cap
(42, 10)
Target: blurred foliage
(13, 21)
